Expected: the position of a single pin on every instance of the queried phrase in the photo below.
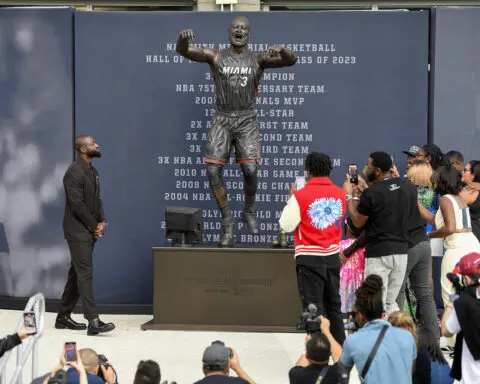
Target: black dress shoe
(96, 326)
(66, 322)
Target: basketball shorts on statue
(237, 129)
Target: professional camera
(102, 360)
(310, 322)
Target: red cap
(468, 264)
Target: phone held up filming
(70, 352)
(353, 173)
(30, 323)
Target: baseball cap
(216, 354)
(412, 151)
(468, 264)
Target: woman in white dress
(452, 223)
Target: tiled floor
(266, 357)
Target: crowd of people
(392, 222)
(359, 250)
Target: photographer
(97, 372)
(313, 365)
(461, 318)
(217, 362)
(379, 350)
(383, 210)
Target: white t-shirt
(470, 367)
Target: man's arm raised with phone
(200, 55)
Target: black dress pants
(79, 281)
(318, 279)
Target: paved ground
(266, 357)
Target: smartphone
(300, 182)
(353, 173)
(70, 351)
(30, 323)
(393, 159)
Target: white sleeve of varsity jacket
(290, 216)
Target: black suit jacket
(83, 205)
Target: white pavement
(266, 357)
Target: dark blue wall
(456, 66)
(36, 127)
(129, 96)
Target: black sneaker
(227, 237)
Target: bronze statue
(237, 72)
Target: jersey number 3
(243, 81)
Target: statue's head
(239, 31)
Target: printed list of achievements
(285, 137)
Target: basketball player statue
(237, 73)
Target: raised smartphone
(353, 173)
(70, 351)
(30, 323)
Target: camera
(310, 322)
(102, 360)
(457, 285)
(350, 326)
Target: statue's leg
(217, 153)
(249, 215)
(247, 152)
(219, 192)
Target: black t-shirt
(309, 375)
(221, 379)
(388, 204)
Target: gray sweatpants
(418, 271)
(392, 270)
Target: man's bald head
(89, 359)
(82, 141)
(87, 146)
(242, 20)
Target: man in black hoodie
(11, 341)
(461, 319)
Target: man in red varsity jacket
(315, 215)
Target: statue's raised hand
(187, 34)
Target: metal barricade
(35, 304)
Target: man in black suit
(83, 223)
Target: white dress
(456, 245)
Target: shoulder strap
(373, 353)
(322, 374)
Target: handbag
(373, 353)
